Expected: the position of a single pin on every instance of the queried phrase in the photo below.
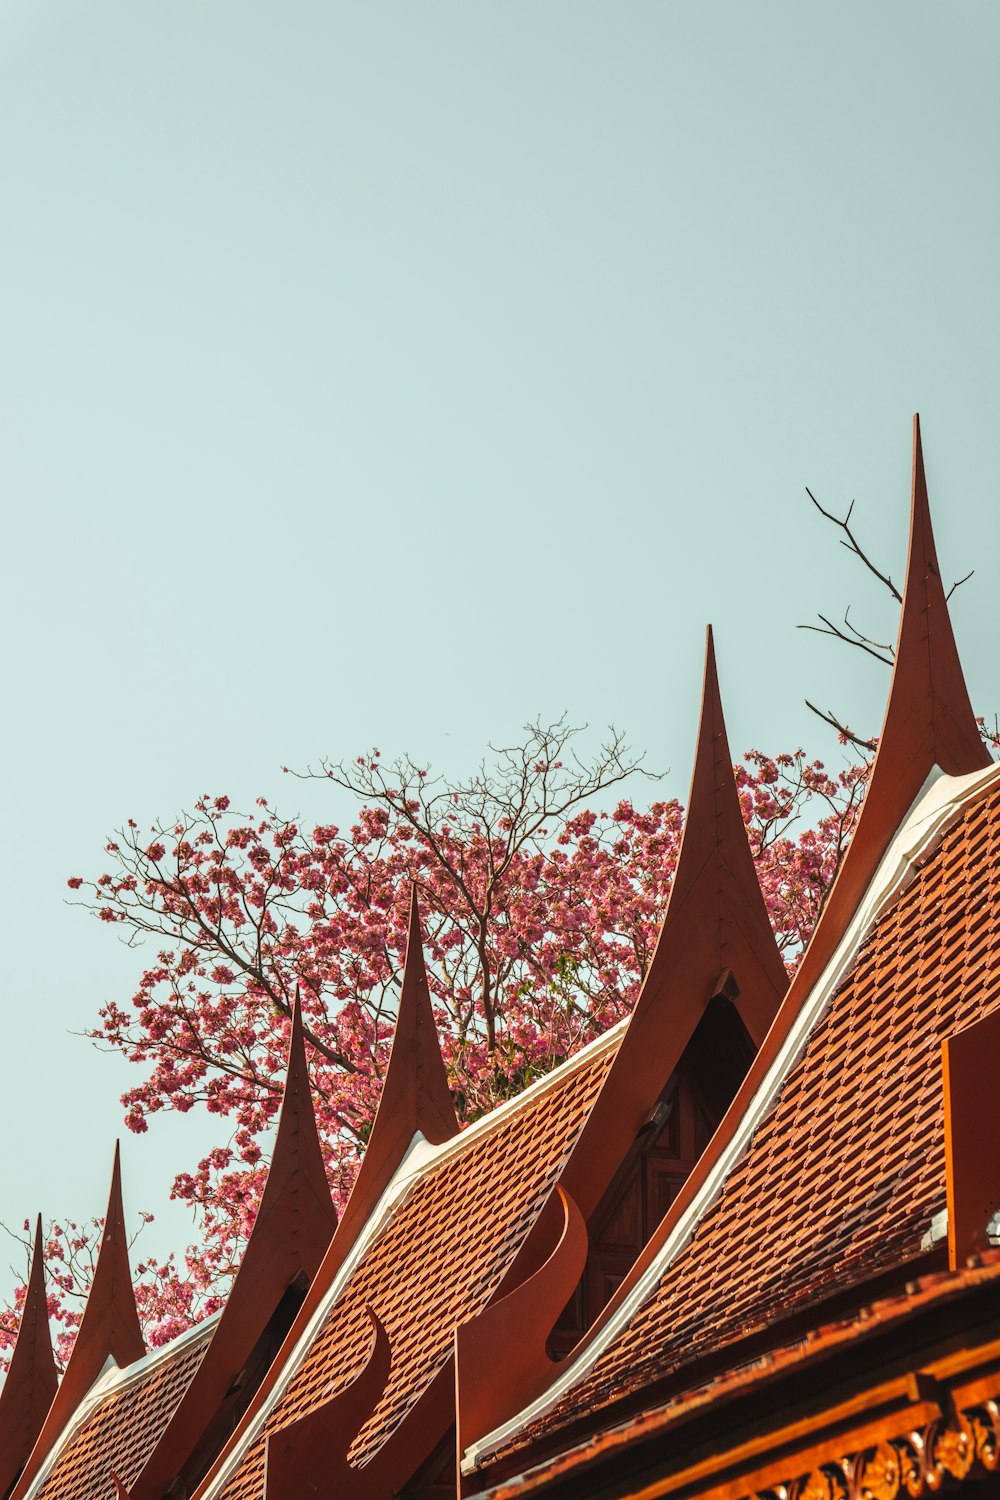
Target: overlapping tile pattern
(844, 1175)
(437, 1262)
(123, 1428)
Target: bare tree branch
(851, 543)
(842, 729)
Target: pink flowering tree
(539, 917)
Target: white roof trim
(497, 1116)
(111, 1380)
(937, 805)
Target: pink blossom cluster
(536, 937)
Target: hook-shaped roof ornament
(317, 1444)
(501, 1360)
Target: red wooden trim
(31, 1377)
(109, 1329)
(293, 1229)
(971, 1065)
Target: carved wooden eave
(898, 1403)
(292, 1232)
(31, 1378)
(415, 1105)
(715, 940)
(309, 1455)
(109, 1330)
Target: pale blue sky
(393, 373)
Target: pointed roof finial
(291, 1234)
(415, 1093)
(929, 717)
(715, 892)
(31, 1377)
(109, 1329)
(715, 938)
(928, 722)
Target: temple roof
(435, 1251)
(827, 1185)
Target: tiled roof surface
(122, 1429)
(866, 1322)
(847, 1170)
(437, 1262)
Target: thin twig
(852, 543)
(842, 729)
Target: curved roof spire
(928, 722)
(929, 719)
(715, 897)
(31, 1379)
(715, 939)
(291, 1234)
(109, 1330)
(415, 1094)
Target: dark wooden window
(662, 1157)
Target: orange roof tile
(121, 1428)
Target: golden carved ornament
(880, 1474)
(954, 1447)
(912, 1467)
